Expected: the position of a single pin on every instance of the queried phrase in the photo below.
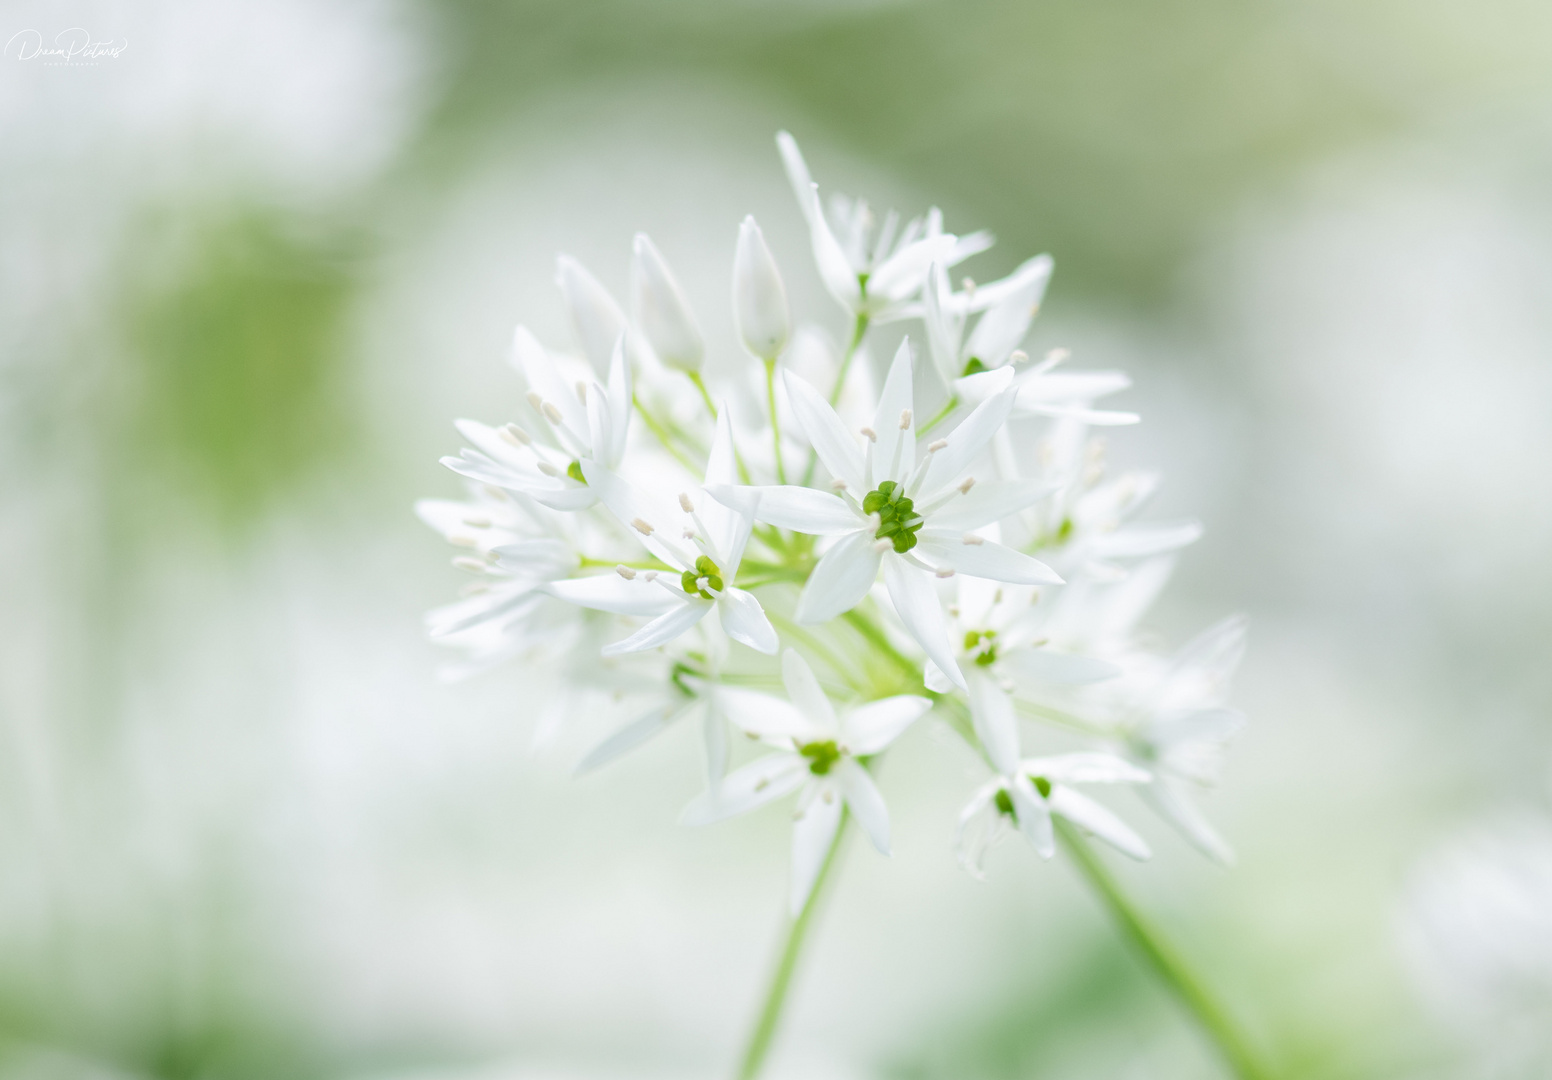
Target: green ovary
(821, 756)
(574, 470)
(985, 654)
(898, 521)
(704, 568)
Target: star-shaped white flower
(915, 519)
(705, 558)
(819, 754)
(1027, 792)
(872, 273)
(580, 421)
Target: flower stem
(776, 994)
(1165, 961)
(711, 410)
(658, 428)
(770, 394)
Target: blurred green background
(251, 267)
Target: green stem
(776, 994)
(711, 409)
(658, 428)
(770, 395)
(948, 406)
(875, 637)
(1165, 961)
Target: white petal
(834, 268)
(621, 405)
(934, 679)
(714, 734)
(1138, 541)
(988, 502)
(610, 592)
(911, 591)
(869, 728)
(966, 441)
(1091, 817)
(902, 274)
(895, 444)
(1068, 387)
(840, 581)
(943, 327)
(1085, 768)
(768, 716)
(985, 560)
(788, 506)
(626, 739)
(663, 629)
(836, 447)
(760, 310)
(806, 693)
(744, 620)
(565, 497)
(1173, 804)
(1034, 817)
(595, 318)
(742, 790)
(996, 725)
(1096, 417)
(1007, 320)
(866, 804)
(627, 504)
(727, 526)
(662, 311)
(1197, 725)
(992, 293)
(1216, 651)
(812, 835)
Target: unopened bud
(662, 311)
(760, 310)
(596, 319)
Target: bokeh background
(251, 267)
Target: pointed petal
(1086, 767)
(812, 835)
(663, 629)
(768, 716)
(1007, 320)
(610, 592)
(835, 270)
(760, 310)
(996, 725)
(985, 560)
(714, 734)
(788, 506)
(966, 441)
(895, 443)
(934, 679)
(866, 804)
(744, 620)
(911, 591)
(662, 311)
(840, 581)
(1140, 541)
(627, 739)
(745, 789)
(869, 728)
(1034, 816)
(622, 499)
(1093, 818)
(806, 693)
(620, 406)
(988, 502)
(836, 447)
(595, 318)
(1175, 806)
(728, 525)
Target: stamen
(650, 575)
(463, 541)
(828, 796)
(1056, 356)
(644, 528)
(474, 588)
(514, 435)
(536, 400)
(871, 434)
(549, 470)
(969, 286)
(551, 413)
(473, 566)
(685, 504)
(936, 445)
(972, 540)
(1018, 356)
(905, 419)
(477, 521)
(625, 572)
(496, 493)
(764, 782)
(945, 571)
(688, 534)
(582, 392)
(837, 486)
(964, 489)
(882, 546)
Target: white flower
(760, 309)
(596, 319)
(578, 421)
(915, 519)
(661, 310)
(819, 755)
(703, 572)
(872, 273)
(1007, 306)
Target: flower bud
(661, 310)
(759, 298)
(595, 318)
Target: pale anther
(882, 545)
(514, 435)
(549, 470)
(473, 566)
(536, 399)
(685, 504)
(650, 575)
(1018, 356)
(905, 419)
(689, 534)
(762, 785)
(625, 572)
(463, 541)
(1056, 356)
(964, 489)
(973, 540)
(871, 434)
(582, 391)
(837, 485)
(945, 571)
(495, 493)
(641, 526)
(477, 521)
(551, 413)
(936, 445)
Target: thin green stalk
(770, 396)
(776, 994)
(711, 409)
(875, 637)
(658, 428)
(1166, 962)
(948, 406)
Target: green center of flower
(1004, 802)
(821, 755)
(983, 644)
(704, 568)
(898, 521)
(973, 366)
(574, 470)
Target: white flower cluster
(949, 542)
